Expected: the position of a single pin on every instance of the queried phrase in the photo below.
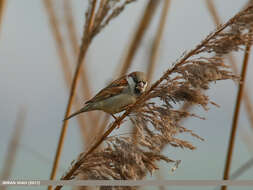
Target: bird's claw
(117, 121)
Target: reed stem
(157, 41)
(83, 50)
(139, 34)
(236, 116)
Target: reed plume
(155, 114)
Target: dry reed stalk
(156, 44)
(13, 145)
(241, 170)
(184, 82)
(245, 95)
(213, 11)
(139, 34)
(82, 52)
(64, 60)
(58, 38)
(143, 25)
(72, 35)
(93, 25)
(157, 41)
(70, 25)
(2, 7)
(236, 114)
(246, 98)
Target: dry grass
(154, 115)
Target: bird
(117, 96)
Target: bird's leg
(118, 123)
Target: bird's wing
(114, 88)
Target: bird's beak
(141, 86)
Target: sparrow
(117, 96)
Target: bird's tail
(84, 109)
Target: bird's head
(138, 82)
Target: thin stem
(155, 45)
(239, 97)
(157, 41)
(213, 11)
(58, 39)
(70, 25)
(72, 35)
(2, 8)
(83, 49)
(242, 169)
(246, 97)
(13, 145)
(134, 45)
(236, 115)
(61, 50)
(139, 34)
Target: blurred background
(34, 93)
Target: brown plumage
(117, 96)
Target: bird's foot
(116, 119)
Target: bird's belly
(116, 104)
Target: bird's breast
(116, 104)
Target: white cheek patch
(145, 86)
(131, 83)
